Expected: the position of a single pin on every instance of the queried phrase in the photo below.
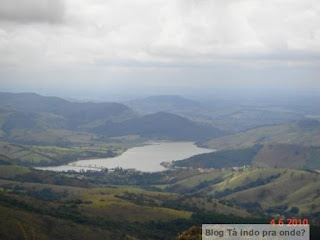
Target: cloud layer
(26, 11)
(45, 34)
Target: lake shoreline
(146, 158)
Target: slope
(269, 155)
(304, 132)
(159, 125)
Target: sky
(97, 46)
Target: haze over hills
(74, 113)
(279, 176)
(166, 103)
(57, 122)
(233, 115)
(139, 88)
(86, 115)
(239, 119)
(21, 111)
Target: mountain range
(28, 112)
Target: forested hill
(74, 113)
(31, 118)
(160, 125)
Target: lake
(146, 158)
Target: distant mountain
(243, 118)
(29, 118)
(164, 103)
(160, 125)
(220, 114)
(30, 102)
(27, 107)
(82, 113)
(33, 121)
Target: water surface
(145, 158)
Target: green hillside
(292, 189)
(229, 116)
(306, 133)
(287, 156)
(32, 119)
(268, 191)
(52, 155)
(21, 224)
(35, 203)
(276, 155)
(74, 113)
(123, 203)
(160, 125)
(253, 176)
(221, 159)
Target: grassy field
(166, 202)
(100, 211)
(292, 189)
(270, 188)
(104, 202)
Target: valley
(215, 172)
(148, 120)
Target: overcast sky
(96, 44)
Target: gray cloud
(144, 42)
(26, 11)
